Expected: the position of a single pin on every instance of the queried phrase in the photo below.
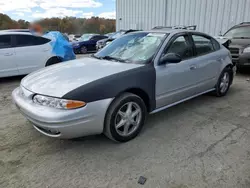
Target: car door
(176, 81)
(207, 62)
(8, 66)
(32, 52)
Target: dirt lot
(202, 143)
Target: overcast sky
(34, 9)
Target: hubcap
(84, 50)
(128, 119)
(224, 82)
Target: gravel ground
(202, 143)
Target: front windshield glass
(132, 48)
(86, 37)
(240, 32)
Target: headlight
(75, 45)
(246, 50)
(57, 103)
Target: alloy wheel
(224, 82)
(84, 50)
(128, 119)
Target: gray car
(240, 44)
(113, 91)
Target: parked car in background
(240, 44)
(140, 73)
(71, 37)
(87, 43)
(77, 37)
(102, 43)
(22, 53)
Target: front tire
(125, 118)
(224, 82)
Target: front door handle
(193, 67)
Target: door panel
(8, 66)
(207, 61)
(31, 55)
(31, 58)
(207, 67)
(175, 82)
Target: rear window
(29, 40)
(5, 41)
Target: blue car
(87, 43)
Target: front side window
(133, 48)
(203, 45)
(181, 47)
(96, 38)
(5, 41)
(239, 32)
(29, 40)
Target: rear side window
(203, 45)
(5, 41)
(29, 40)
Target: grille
(235, 53)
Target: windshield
(132, 48)
(240, 32)
(86, 37)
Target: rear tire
(83, 50)
(52, 61)
(125, 118)
(224, 82)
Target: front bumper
(244, 60)
(59, 123)
(99, 46)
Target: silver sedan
(113, 91)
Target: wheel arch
(141, 93)
(53, 58)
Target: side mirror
(170, 58)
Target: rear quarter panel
(226, 59)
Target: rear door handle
(193, 67)
(8, 54)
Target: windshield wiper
(241, 37)
(113, 58)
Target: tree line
(70, 25)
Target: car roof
(17, 30)
(245, 24)
(173, 31)
(5, 32)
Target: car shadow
(11, 79)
